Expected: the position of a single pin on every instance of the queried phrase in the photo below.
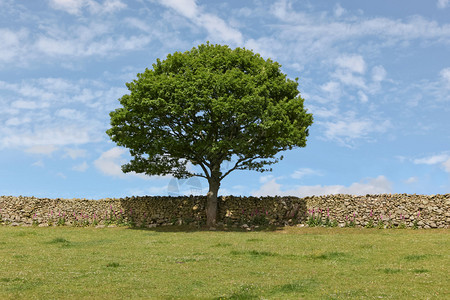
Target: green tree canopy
(206, 106)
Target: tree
(208, 106)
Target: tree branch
(207, 175)
(240, 163)
(200, 175)
(234, 168)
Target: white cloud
(110, 6)
(310, 37)
(62, 175)
(21, 104)
(75, 7)
(265, 178)
(93, 40)
(338, 10)
(302, 172)
(440, 159)
(139, 24)
(46, 135)
(432, 160)
(323, 111)
(379, 185)
(44, 35)
(265, 46)
(39, 164)
(350, 128)
(11, 44)
(187, 8)
(55, 111)
(110, 162)
(283, 10)
(216, 27)
(69, 6)
(446, 165)
(269, 188)
(347, 77)
(353, 63)
(41, 91)
(378, 73)
(363, 97)
(411, 180)
(70, 114)
(75, 153)
(443, 3)
(333, 89)
(56, 84)
(350, 69)
(219, 28)
(42, 149)
(81, 167)
(445, 75)
(17, 121)
(302, 35)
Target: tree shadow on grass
(189, 229)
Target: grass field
(166, 263)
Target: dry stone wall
(149, 211)
(387, 210)
(340, 210)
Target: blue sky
(375, 75)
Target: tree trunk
(211, 202)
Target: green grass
(175, 263)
